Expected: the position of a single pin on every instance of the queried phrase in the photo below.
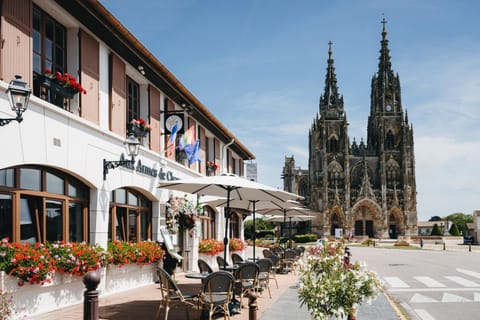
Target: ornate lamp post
(133, 145)
(18, 94)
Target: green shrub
(436, 230)
(454, 230)
(304, 238)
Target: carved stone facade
(365, 189)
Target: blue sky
(259, 67)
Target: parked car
(468, 240)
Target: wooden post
(90, 302)
(252, 305)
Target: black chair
(267, 253)
(217, 292)
(276, 267)
(265, 266)
(203, 266)
(236, 258)
(246, 278)
(221, 262)
(172, 296)
(290, 260)
(279, 251)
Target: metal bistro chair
(267, 253)
(217, 293)
(290, 260)
(265, 266)
(172, 296)
(236, 258)
(246, 278)
(221, 262)
(276, 267)
(203, 266)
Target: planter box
(128, 277)
(66, 290)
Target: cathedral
(361, 189)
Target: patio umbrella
(252, 206)
(229, 186)
(289, 212)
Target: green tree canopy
(461, 220)
(260, 224)
(435, 218)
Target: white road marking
(429, 282)
(395, 282)
(462, 281)
(448, 297)
(469, 272)
(420, 298)
(424, 315)
(431, 289)
(476, 296)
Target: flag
(171, 141)
(188, 138)
(193, 152)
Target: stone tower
(363, 189)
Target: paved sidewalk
(142, 303)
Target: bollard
(252, 305)
(374, 243)
(444, 246)
(90, 302)
(469, 248)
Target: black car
(468, 240)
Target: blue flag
(193, 152)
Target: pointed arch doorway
(366, 219)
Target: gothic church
(363, 189)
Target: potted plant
(331, 287)
(139, 127)
(236, 244)
(180, 213)
(65, 84)
(212, 166)
(210, 247)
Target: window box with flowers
(53, 272)
(236, 244)
(208, 249)
(139, 127)
(212, 167)
(63, 84)
(180, 214)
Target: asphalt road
(428, 284)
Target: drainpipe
(224, 153)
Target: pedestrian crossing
(461, 287)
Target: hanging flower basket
(212, 166)
(181, 213)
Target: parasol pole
(254, 236)
(225, 239)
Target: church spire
(330, 101)
(385, 72)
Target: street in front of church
(428, 284)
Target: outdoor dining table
(196, 275)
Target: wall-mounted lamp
(133, 145)
(141, 69)
(18, 94)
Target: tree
(436, 230)
(461, 220)
(435, 218)
(454, 230)
(260, 224)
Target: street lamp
(18, 94)
(133, 145)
